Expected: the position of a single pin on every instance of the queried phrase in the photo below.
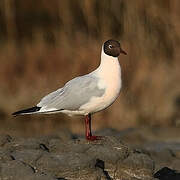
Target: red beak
(122, 51)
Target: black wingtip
(27, 111)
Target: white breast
(109, 73)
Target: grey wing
(50, 98)
(74, 94)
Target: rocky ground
(133, 154)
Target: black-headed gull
(85, 95)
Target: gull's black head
(113, 48)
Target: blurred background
(44, 44)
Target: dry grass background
(44, 44)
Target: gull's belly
(99, 103)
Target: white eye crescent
(110, 46)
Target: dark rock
(100, 164)
(53, 158)
(109, 153)
(39, 176)
(162, 158)
(4, 156)
(55, 145)
(164, 154)
(15, 170)
(5, 139)
(44, 147)
(22, 143)
(137, 165)
(64, 164)
(28, 156)
(167, 174)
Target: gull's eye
(110, 46)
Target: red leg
(88, 129)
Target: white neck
(109, 64)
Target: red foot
(94, 138)
(89, 136)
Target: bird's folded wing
(73, 95)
